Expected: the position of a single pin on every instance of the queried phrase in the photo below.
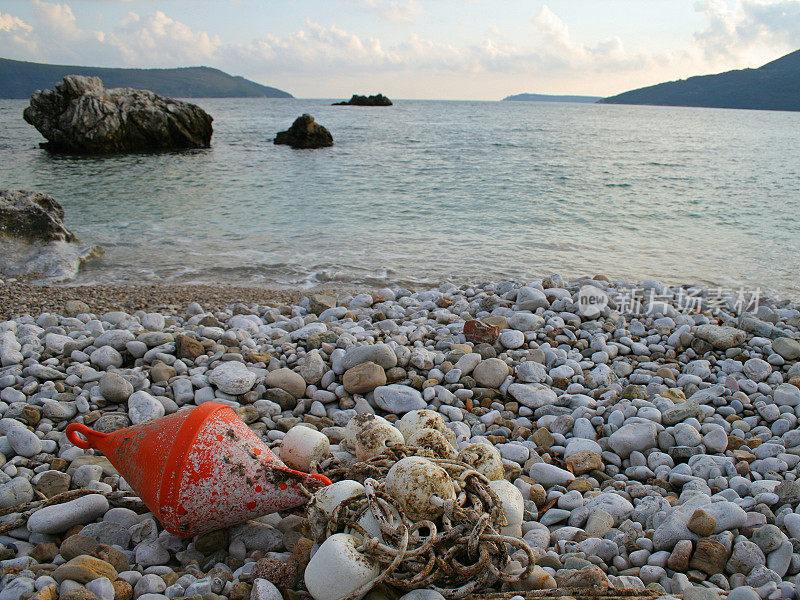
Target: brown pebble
(59, 464)
(282, 574)
(364, 378)
(44, 552)
(78, 594)
(710, 556)
(584, 462)
(679, 558)
(84, 569)
(122, 590)
(239, 591)
(702, 523)
(538, 494)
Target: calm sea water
(425, 192)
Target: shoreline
(18, 297)
(27, 295)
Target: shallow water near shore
(430, 191)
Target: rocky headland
(81, 116)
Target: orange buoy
(201, 469)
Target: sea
(426, 192)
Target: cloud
(748, 30)
(394, 11)
(149, 39)
(12, 23)
(319, 59)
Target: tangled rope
(458, 554)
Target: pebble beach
(655, 449)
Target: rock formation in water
(82, 116)
(34, 241)
(356, 100)
(305, 133)
(32, 217)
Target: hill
(19, 79)
(774, 86)
(550, 98)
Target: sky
(435, 49)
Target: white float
(420, 487)
(374, 437)
(485, 459)
(416, 420)
(433, 441)
(302, 445)
(331, 496)
(337, 570)
(513, 506)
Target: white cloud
(12, 23)
(154, 37)
(750, 30)
(395, 11)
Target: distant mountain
(20, 79)
(551, 98)
(774, 86)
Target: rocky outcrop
(34, 241)
(82, 116)
(305, 132)
(32, 217)
(356, 100)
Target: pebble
(16, 491)
(491, 372)
(24, 442)
(143, 407)
(398, 399)
(660, 450)
(233, 377)
(115, 388)
(60, 517)
(550, 475)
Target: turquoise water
(428, 191)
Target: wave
(51, 263)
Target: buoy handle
(92, 436)
(319, 479)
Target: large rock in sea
(82, 116)
(305, 133)
(34, 240)
(356, 100)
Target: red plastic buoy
(201, 469)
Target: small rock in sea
(357, 100)
(305, 133)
